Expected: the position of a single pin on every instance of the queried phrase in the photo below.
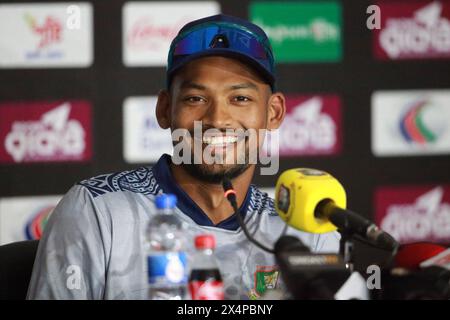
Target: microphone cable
(230, 194)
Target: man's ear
(277, 110)
(163, 109)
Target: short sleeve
(73, 252)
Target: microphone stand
(346, 249)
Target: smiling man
(220, 76)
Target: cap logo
(219, 41)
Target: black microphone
(420, 272)
(350, 222)
(309, 275)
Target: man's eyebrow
(192, 85)
(245, 85)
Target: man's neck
(209, 196)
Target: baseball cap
(222, 35)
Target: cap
(222, 35)
(205, 241)
(166, 201)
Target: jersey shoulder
(140, 180)
(261, 202)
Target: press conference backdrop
(368, 97)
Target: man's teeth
(220, 140)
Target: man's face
(225, 95)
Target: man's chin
(216, 172)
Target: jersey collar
(163, 175)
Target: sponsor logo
(266, 278)
(413, 30)
(167, 268)
(148, 28)
(44, 37)
(312, 126)
(144, 140)
(25, 218)
(148, 36)
(413, 126)
(45, 132)
(206, 290)
(36, 224)
(411, 122)
(301, 31)
(414, 214)
(49, 31)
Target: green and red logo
(266, 278)
(36, 224)
(301, 31)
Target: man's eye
(194, 99)
(242, 99)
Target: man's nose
(218, 115)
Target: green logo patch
(266, 278)
(301, 31)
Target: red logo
(45, 132)
(206, 290)
(148, 35)
(413, 214)
(312, 126)
(49, 30)
(412, 30)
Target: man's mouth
(220, 141)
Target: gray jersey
(92, 246)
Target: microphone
(306, 275)
(421, 271)
(309, 275)
(314, 201)
(411, 256)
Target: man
(220, 72)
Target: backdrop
(368, 93)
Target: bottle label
(206, 290)
(167, 268)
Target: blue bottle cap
(166, 201)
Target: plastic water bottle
(166, 258)
(205, 281)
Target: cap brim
(265, 74)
